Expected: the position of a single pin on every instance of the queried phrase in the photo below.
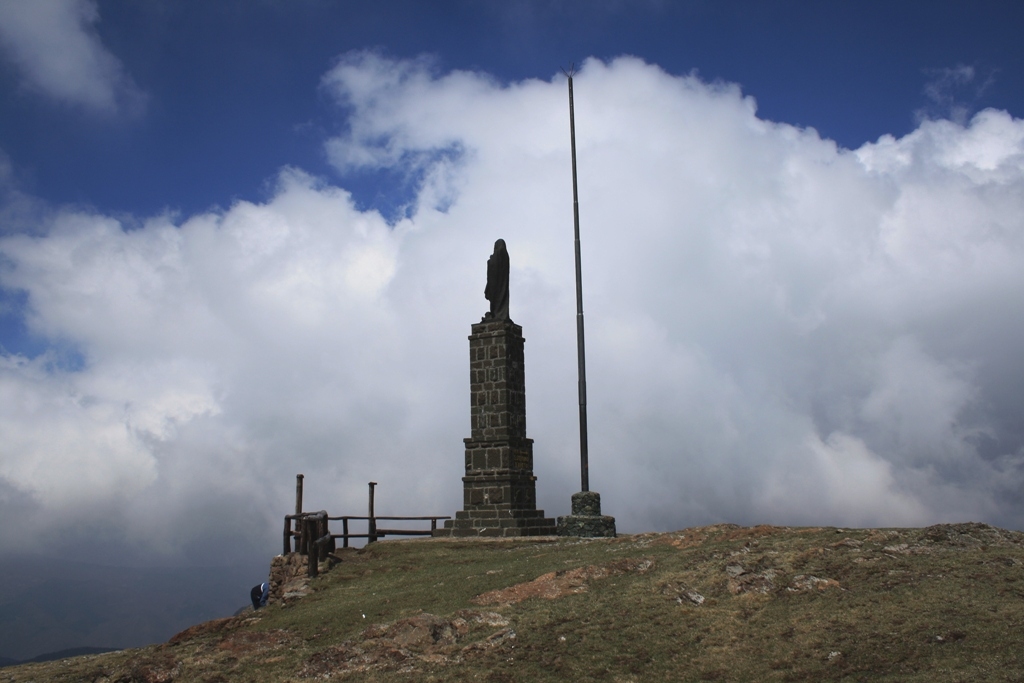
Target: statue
(497, 283)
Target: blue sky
(231, 89)
(242, 240)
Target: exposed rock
(485, 618)
(288, 580)
(418, 632)
(750, 582)
(495, 640)
(686, 596)
(681, 593)
(970, 534)
(405, 644)
(806, 582)
(741, 580)
(900, 548)
(557, 584)
(154, 672)
(694, 597)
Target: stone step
(499, 523)
(491, 532)
(492, 514)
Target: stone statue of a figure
(497, 283)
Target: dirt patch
(253, 642)
(205, 628)
(555, 585)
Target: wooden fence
(311, 530)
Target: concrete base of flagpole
(586, 520)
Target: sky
(245, 240)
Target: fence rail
(313, 536)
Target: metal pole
(580, 353)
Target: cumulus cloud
(56, 48)
(779, 330)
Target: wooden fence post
(306, 549)
(313, 554)
(344, 531)
(318, 540)
(331, 547)
(298, 508)
(372, 525)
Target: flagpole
(580, 352)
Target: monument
(499, 489)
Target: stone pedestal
(499, 489)
(586, 519)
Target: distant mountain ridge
(60, 654)
(52, 607)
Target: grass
(721, 603)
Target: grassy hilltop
(718, 603)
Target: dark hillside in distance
(718, 603)
(49, 605)
(60, 654)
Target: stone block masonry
(499, 489)
(586, 519)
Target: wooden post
(327, 531)
(287, 535)
(313, 555)
(298, 508)
(344, 531)
(372, 525)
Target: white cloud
(842, 482)
(66, 446)
(779, 330)
(55, 46)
